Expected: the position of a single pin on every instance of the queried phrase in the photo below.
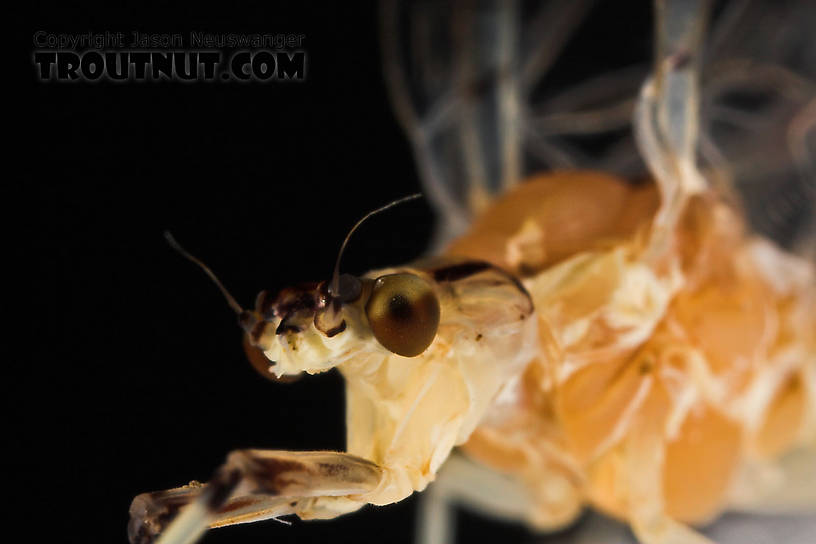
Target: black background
(139, 380)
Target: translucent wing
(462, 78)
(758, 131)
(469, 85)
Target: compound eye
(403, 312)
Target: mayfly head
(313, 327)
(307, 329)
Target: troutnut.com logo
(141, 57)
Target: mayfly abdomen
(704, 355)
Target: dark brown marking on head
(336, 330)
(300, 299)
(328, 318)
(479, 337)
(295, 299)
(287, 327)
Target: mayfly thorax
(578, 340)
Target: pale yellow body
(641, 385)
(407, 413)
(571, 357)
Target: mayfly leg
(152, 513)
(251, 485)
(462, 482)
(667, 112)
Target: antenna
(230, 299)
(334, 286)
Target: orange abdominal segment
(783, 419)
(702, 353)
(699, 464)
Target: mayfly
(578, 339)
